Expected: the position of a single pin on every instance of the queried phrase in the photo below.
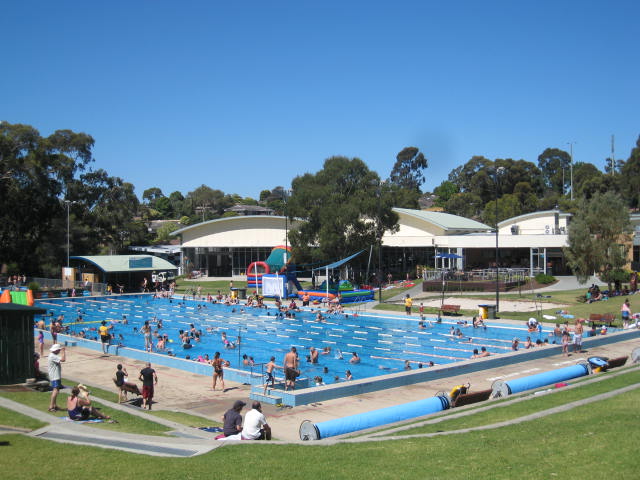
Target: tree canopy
(596, 237)
(345, 207)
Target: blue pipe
(547, 378)
(375, 418)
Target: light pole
(68, 203)
(499, 170)
(571, 144)
(380, 232)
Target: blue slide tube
(375, 418)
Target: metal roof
(446, 221)
(127, 263)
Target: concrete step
(268, 399)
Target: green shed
(16, 342)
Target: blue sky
(244, 96)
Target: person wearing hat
(55, 373)
(233, 420)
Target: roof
(445, 221)
(239, 218)
(529, 215)
(127, 263)
(16, 307)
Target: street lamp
(571, 144)
(68, 203)
(499, 170)
(380, 233)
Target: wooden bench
(602, 318)
(469, 398)
(617, 362)
(595, 317)
(450, 309)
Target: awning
(339, 262)
(448, 255)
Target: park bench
(595, 317)
(617, 362)
(450, 309)
(469, 398)
(602, 318)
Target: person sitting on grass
(79, 407)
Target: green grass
(9, 418)
(594, 441)
(127, 422)
(185, 418)
(532, 405)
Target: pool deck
(191, 392)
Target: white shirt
(253, 421)
(55, 372)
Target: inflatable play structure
(343, 291)
(19, 297)
(279, 265)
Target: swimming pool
(383, 342)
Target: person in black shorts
(149, 380)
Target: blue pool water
(382, 342)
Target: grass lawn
(532, 405)
(9, 418)
(127, 423)
(187, 419)
(595, 441)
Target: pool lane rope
(502, 388)
(361, 421)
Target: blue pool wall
(305, 396)
(400, 379)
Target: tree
(407, 176)
(596, 237)
(152, 194)
(345, 207)
(630, 177)
(34, 174)
(464, 204)
(508, 206)
(163, 234)
(555, 167)
(587, 180)
(444, 192)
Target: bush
(545, 279)
(34, 286)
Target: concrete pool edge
(306, 396)
(356, 387)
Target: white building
(226, 246)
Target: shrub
(545, 279)
(34, 286)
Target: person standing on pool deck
(269, 372)
(577, 337)
(149, 381)
(105, 336)
(218, 370)
(55, 373)
(408, 303)
(290, 369)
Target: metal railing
(48, 284)
(479, 275)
